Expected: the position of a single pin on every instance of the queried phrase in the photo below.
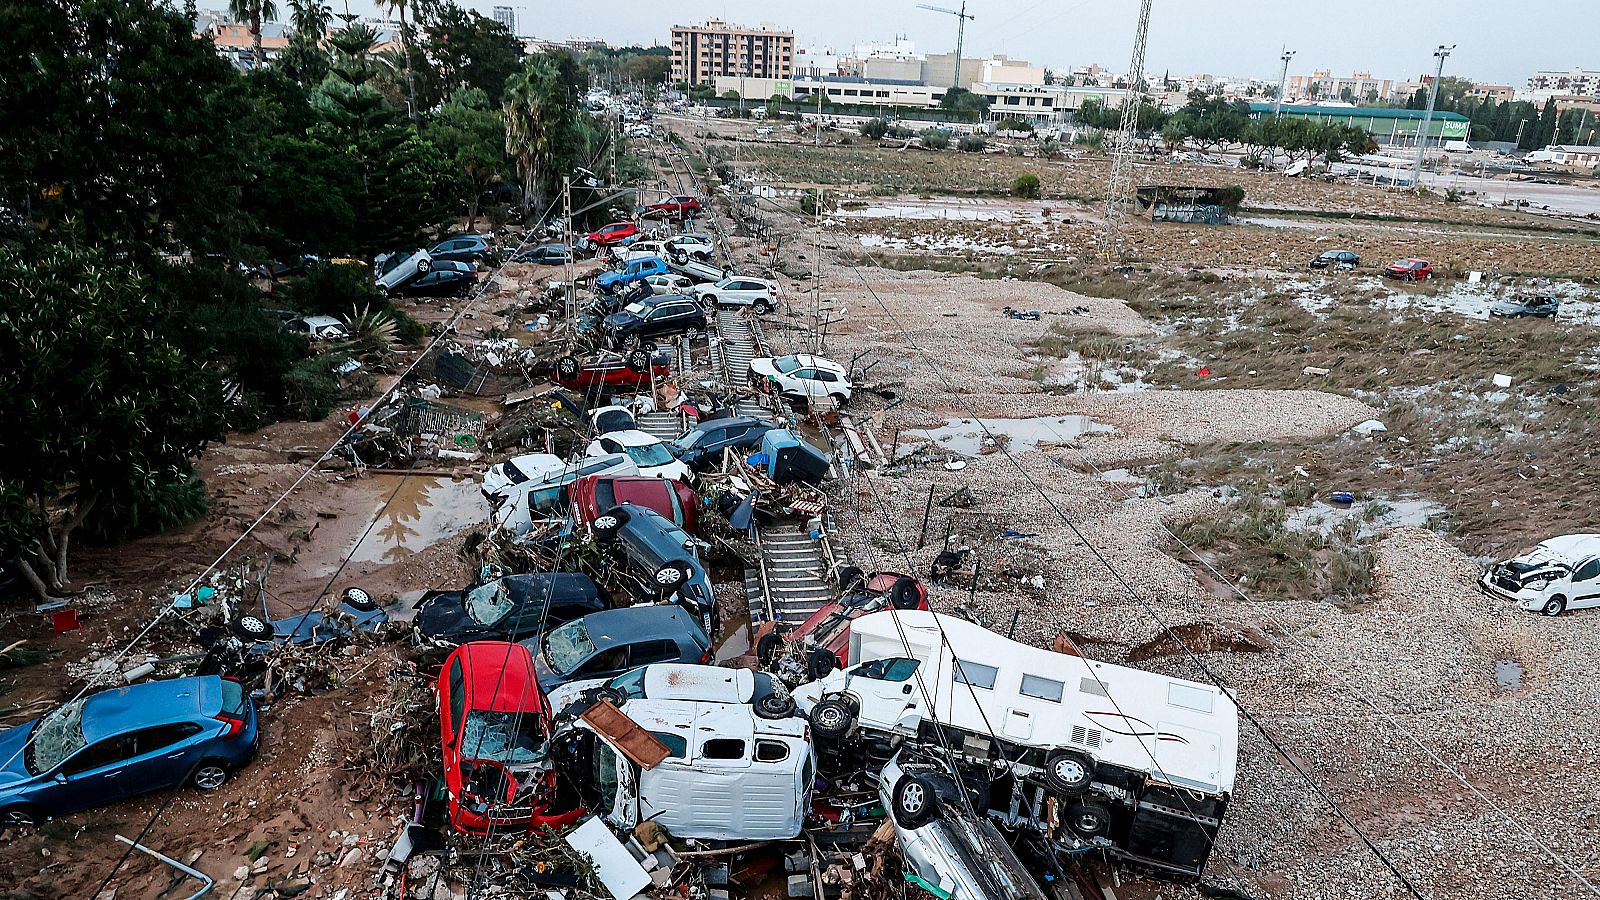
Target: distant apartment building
(506, 16)
(700, 53)
(1499, 93)
(1360, 87)
(1578, 82)
(816, 62)
(584, 45)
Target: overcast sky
(1498, 41)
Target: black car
(606, 644)
(506, 608)
(1338, 259)
(544, 255)
(467, 248)
(448, 279)
(659, 560)
(664, 315)
(701, 446)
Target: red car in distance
(1409, 269)
(674, 207)
(674, 500)
(822, 643)
(615, 233)
(495, 724)
(610, 369)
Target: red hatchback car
(674, 207)
(615, 233)
(1410, 269)
(822, 642)
(611, 369)
(674, 500)
(495, 725)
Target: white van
(1152, 758)
(728, 775)
(1557, 575)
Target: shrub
(935, 138)
(1092, 139)
(897, 130)
(1050, 147)
(874, 128)
(1026, 186)
(1232, 196)
(972, 143)
(1014, 125)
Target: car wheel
(1555, 606)
(767, 647)
(709, 301)
(610, 695)
(832, 719)
(775, 706)
(914, 801)
(638, 361)
(210, 775)
(606, 525)
(18, 817)
(838, 399)
(360, 599)
(1069, 772)
(692, 334)
(424, 266)
(1089, 819)
(820, 663)
(670, 577)
(850, 578)
(252, 628)
(905, 594)
(567, 367)
(761, 307)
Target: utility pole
(816, 129)
(1427, 117)
(570, 291)
(1283, 79)
(616, 135)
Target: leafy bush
(1090, 139)
(1014, 125)
(935, 138)
(1050, 147)
(971, 143)
(810, 201)
(1026, 186)
(167, 500)
(874, 128)
(310, 387)
(1232, 196)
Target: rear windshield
(232, 697)
(650, 455)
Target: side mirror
(60, 778)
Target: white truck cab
(1554, 576)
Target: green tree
(1547, 125)
(541, 123)
(304, 60)
(646, 68)
(144, 153)
(935, 138)
(963, 101)
(471, 133)
(1174, 133)
(105, 411)
(469, 50)
(874, 128)
(252, 12)
(398, 7)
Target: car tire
(1555, 606)
(252, 628)
(767, 647)
(761, 307)
(360, 599)
(775, 706)
(1069, 772)
(906, 594)
(1089, 819)
(209, 775)
(839, 399)
(638, 361)
(567, 367)
(424, 266)
(606, 525)
(692, 334)
(850, 578)
(914, 802)
(820, 663)
(832, 719)
(18, 817)
(610, 695)
(670, 577)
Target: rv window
(976, 674)
(722, 748)
(1042, 688)
(898, 669)
(677, 744)
(771, 751)
(1190, 697)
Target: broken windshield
(567, 646)
(511, 738)
(650, 455)
(488, 603)
(59, 735)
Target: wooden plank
(638, 745)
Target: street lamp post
(1427, 117)
(1283, 79)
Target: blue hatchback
(118, 743)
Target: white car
(532, 487)
(319, 328)
(740, 290)
(802, 376)
(691, 246)
(499, 480)
(393, 270)
(647, 451)
(612, 418)
(639, 131)
(1559, 574)
(641, 249)
(679, 681)
(669, 284)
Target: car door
(887, 690)
(90, 777)
(161, 756)
(802, 382)
(1585, 585)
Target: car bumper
(1522, 599)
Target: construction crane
(961, 31)
(1119, 185)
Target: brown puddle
(424, 511)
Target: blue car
(118, 743)
(633, 271)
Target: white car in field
(801, 376)
(740, 290)
(1554, 576)
(669, 284)
(647, 451)
(394, 270)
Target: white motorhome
(1150, 759)
(1557, 575)
(728, 774)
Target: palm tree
(534, 106)
(253, 11)
(310, 19)
(398, 7)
